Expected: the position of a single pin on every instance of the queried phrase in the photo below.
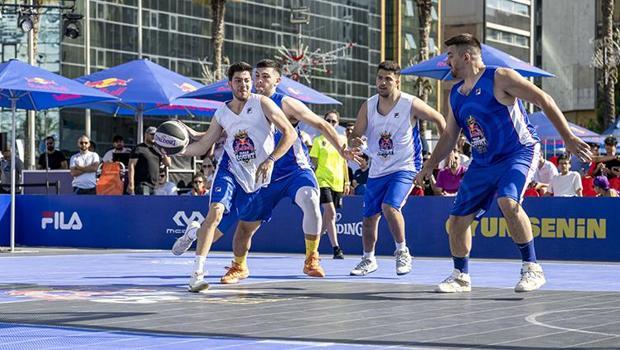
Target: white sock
(369, 255)
(199, 264)
(401, 246)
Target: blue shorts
(269, 197)
(508, 178)
(227, 191)
(392, 189)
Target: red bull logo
(442, 63)
(293, 91)
(186, 87)
(107, 83)
(42, 83)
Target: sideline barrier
(566, 228)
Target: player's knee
(307, 198)
(216, 212)
(389, 210)
(508, 206)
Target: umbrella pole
(140, 118)
(13, 154)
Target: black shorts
(330, 196)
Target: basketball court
(104, 299)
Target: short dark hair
(564, 156)
(50, 138)
(238, 67)
(611, 140)
(269, 63)
(464, 41)
(198, 176)
(117, 138)
(389, 66)
(333, 111)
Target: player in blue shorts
(486, 104)
(292, 177)
(390, 121)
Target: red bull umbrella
(146, 88)
(27, 87)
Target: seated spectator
(602, 188)
(531, 190)
(118, 146)
(165, 187)
(463, 160)
(5, 169)
(208, 170)
(567, 183)
(360, 176)
(449, 179)
(587, 183)
(83, 166)
(198, 186)
(52, 158)
(544, 173)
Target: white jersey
(249, 141)
(393, 142)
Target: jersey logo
(386, 145)
(243, 147)
(478, 91)
(249, 110)
(478, 140)
(396, 115)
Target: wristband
(272, 158)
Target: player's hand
(353, 154)
(576, 146)
(264, 170)
(424, 174)
(357, 142)
(347, 189)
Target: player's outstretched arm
(512, 84)
(302, 113)
(422, 111)
(205, 143)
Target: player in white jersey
(390, 121)
(248, 121)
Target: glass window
(409, 8)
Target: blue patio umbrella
(438, 68)
(27, 87)
(546, 130)
(146, 88)
(219, 91)
(613, 129)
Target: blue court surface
(98, 299)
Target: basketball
(171, 137)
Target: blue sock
(528, 253)
(461, 264)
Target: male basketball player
(390, 121)
(487, 105)
(248, 121)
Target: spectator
(5, 168)
(601, 186)
(83, 166)
(333, 177)
(428, 189)
(449, 179)
(567, 183)
(198, 186)
(144, 163)
(608, 164)
(165, 187)
(360, 176)
(92, 146)
(208, 169)
(531, 190)
(544, 174)
(118, 146)
(52, 158)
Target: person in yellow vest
(333, 178)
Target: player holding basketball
(487, 105)
(248, 121)
(390, 122)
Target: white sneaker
(365, 267)
(403, 261)
(532, 277)
(457, 282)
(182, 244)
(197, 283)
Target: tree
(218, 8)
(607, 51)
(424, 86)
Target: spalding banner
(565, 228)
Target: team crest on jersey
(386, 145)
(478, 140)
(243, 146)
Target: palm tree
(218, 8)
(423, 84)
(610, 70)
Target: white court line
(533, 320)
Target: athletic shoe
(457, 282)
(235, 273)
(365, 267)
(338, 253)
(532, 277)
(182, 244)
(197, 283)
(312, 267)
(403, 261)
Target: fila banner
(565, 228)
